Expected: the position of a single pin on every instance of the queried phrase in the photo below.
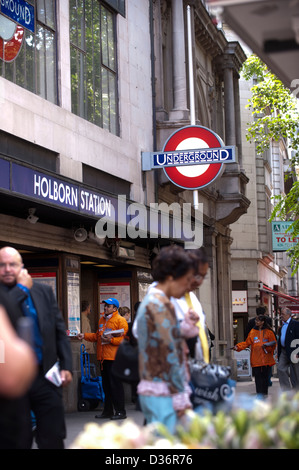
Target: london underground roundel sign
(193, 176)
(11, 39)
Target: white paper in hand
(109, 333)
(53, 375)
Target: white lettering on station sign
(188, 157)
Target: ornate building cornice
(208, 36)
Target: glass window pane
(78, 83)
(89, 59)
(97, 67)
(105, 55)
(118, 5)
(50, 13)
(40, 61)
(112, 107)
(93, 66)
(50, 58)
(21, 70)
(77, 18)
(75, 81)
(35, 66)
(29, 59)
(73, 22)
(105, 98)
(98, 98)
(41, 11)
(108, 39)
(110, 34)
(82, 86)
(9, 71)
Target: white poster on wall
(73, 299)
(118, 290)
(239, 300)
(46, 278)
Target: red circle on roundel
(214, 169)
(9, 50)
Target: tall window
(35, 66)
(93, 63)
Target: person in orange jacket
(107, 345)
(262, 342)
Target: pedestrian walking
(50, 344)
(260, 310)
(262, 342)
(288, 351)
(198, 345)
(86, 326)
(17, 372)
(107, 345)
(163, 391)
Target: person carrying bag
(211, 385)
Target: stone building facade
(95, 85)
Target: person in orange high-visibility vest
(262, 342)
(107, 345)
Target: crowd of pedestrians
(169, 327)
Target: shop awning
(291, 302)
(292, 299)
(270, 28)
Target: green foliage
(275, 116)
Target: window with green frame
(93, 63)
(35, 67)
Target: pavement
(76, 421)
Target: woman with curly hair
(162, 388)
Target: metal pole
(191, 86)
(190, 62)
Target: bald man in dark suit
(50, 344)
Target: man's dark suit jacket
(291, 334)
(56, 344)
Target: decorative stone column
(238, 132)
(230, 64)
(229, 106)
(158, 12)
(179, 111)
(225, 315)
(232, 185)
(210, 243)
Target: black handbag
(211, 385)
(125, 364)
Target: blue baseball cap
(112, 301)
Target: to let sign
(282, 237)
